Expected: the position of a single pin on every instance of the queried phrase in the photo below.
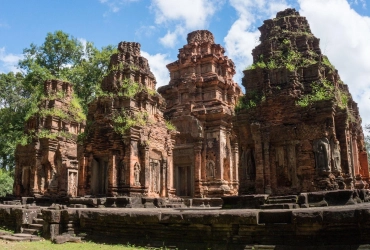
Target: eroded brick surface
(201, 97)
(298, 125)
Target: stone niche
(299, 129)
(201, 97)
(47, 165)
(128, 145)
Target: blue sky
(161, 27)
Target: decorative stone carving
(279, 118)
(127, 128)
(53, 149)
(72, 183)
(200, 36)
(322, 152)
(335, 156)
(201, 97)
(137, 170)
(211, 170)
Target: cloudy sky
(161, 26)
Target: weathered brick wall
(327, 227)
(13, 217)
(8, 217)
(228, 229)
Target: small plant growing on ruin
(76, 109)
(44, 133)
(123, 121)
(170, 126)
(286, 42)
(129, 88)
(53, 112)
(321, 91)
(272, 64)
(327, 63)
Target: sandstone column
(197, 167)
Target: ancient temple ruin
(293, 141)
(299, 128)
(128, 144)
(48, 164)
(201, 97)
(296, 129)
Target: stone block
(305, 217)
(51, 216)
(275, 217)
(244, 201)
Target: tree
(367, 143)
(87, 75)
(6, 183)
(13, 106)
(61, 56)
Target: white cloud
(8, 61)
(243, 36)
(170, 39)
(115, 5)
(344, 36)
(145, 30)
(4, 25)
(157, 65)
(189, 15)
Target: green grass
(5, 230)
(46, 245)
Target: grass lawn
(46, 245)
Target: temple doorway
(183, 181)
(99, 173)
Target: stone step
(174, 205)
(28, 236)
(278, 201)
(280, 206)
(23, 235)
(283, 197)
(38, 221)
(30, 231)
(35, 226)
(13, 238)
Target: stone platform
(339, 227)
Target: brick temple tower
(47, 165)
(201, 97)
(127, 145)
(298, 125)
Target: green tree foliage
(6, 183)
(367, 143)
(13, 106)
(89, 72)
(64, 57)
(61, 56)
(53, 58)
